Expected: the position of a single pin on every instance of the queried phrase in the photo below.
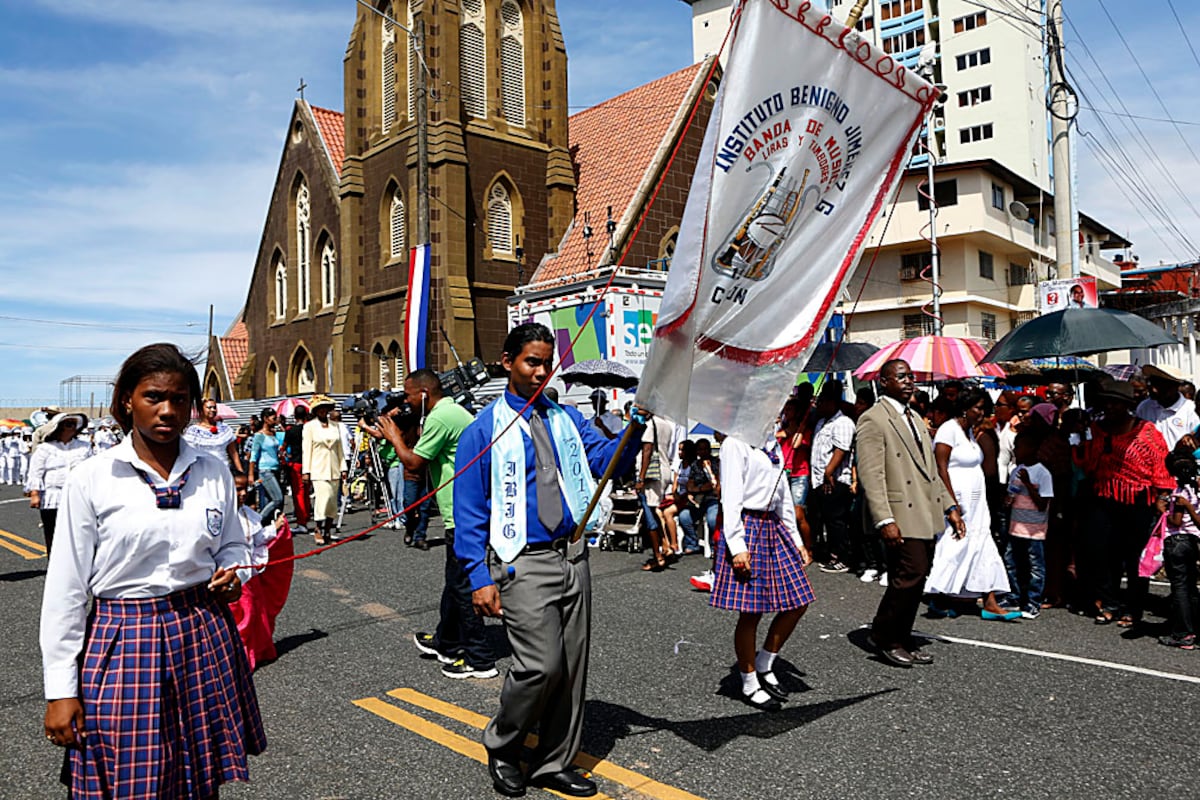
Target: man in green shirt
(459, 642)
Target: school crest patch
(215, 518)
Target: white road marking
(1095, 662)
(15, 500)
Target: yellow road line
(21, 552)
(605, 769)
(28, 544)
(432, 731)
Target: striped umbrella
(1122, 372)
(287, 407)
(933, 358)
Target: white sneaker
(869, 575)
(883, 579)
(703, 581)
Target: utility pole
(422, 132)
(1065, 242)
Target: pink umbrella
(287, 407)
(933, 358)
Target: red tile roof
(333, 134)
(613, 146)
(235, 349)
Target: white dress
(970, 566)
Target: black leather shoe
(921, 657)
(568, 782)
(506, 776)
(775, 690)
(896, 656)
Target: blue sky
(140, 140)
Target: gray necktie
(549, 498)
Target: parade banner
(810, 133)
(416, 321)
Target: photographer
(407, 485)
(459, 640)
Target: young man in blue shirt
(516, 504)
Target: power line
(1140, 116)
(1183, 30)
(1146, 77)
(102, 326)
(1136, 133)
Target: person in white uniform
(966, 563)
(1172, 413)
(137, 595)
(60, 452)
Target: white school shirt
(749, 481)
(1174, 422)
(49, 467)
(113, 541)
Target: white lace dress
(970, 566)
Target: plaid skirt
(778, 581)
(168, 703)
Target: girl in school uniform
(149, 688)
(760, 569)
(60, 452)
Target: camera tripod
(369, 468)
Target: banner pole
(631, 430)
(855, 13)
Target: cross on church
(301, 88)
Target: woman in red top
(795, 444)
(1125, 460)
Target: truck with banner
(620, 329)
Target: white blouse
(751, 482)
(113, 541)
(215, 443)
(50, 465)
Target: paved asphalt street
(1051, 708)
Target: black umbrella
(600, 373)
(1076, 332)
(843, 357)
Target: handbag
(1152, 556)
(654, 468)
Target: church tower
(501, 182)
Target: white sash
(509, 479)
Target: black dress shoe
(506, 776)
(774, 689)
(896, 656)
(568, 782)
(921, 657)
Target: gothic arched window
(280, 287)
(500, 220)
(472, 58)
(328, 275)
(397, 226)
(303, 235)
(512, 63)
(388, 77)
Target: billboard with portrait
(1068, 293)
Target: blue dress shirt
(473, 487)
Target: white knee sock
(750, 683)
(763, 662)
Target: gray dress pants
(547, 602)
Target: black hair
(1027, 436)
(865, 395)
(944, 406)
(689, 450)
(832, 390)
(522, 335)
(804, 393)
(269, 411)
(152, 359)
(1183, 467)
(300, 414)
(969, 398)
(890, 367)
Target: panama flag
(416, 321)
(809, 135)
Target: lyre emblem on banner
(749, 252)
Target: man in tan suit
(906, 502)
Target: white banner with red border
(810, 134)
